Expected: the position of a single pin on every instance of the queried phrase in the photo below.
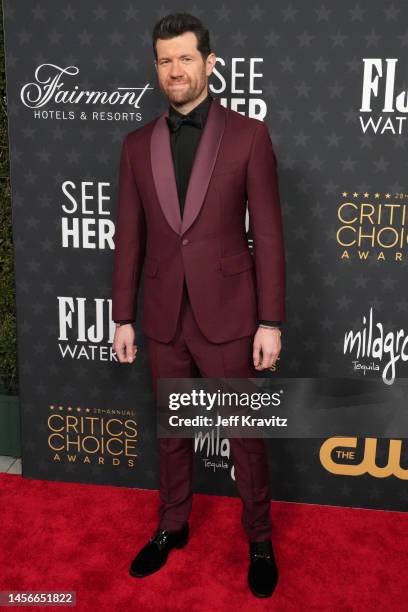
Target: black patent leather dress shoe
(154, 554)
(263, 572)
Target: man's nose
(176, 70)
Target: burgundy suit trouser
(191, 355)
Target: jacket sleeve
(130, 242)
(265, 221)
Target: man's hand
(124, 343)
(267, 342)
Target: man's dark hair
(178, 23)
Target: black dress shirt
(184, 142)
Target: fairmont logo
(49, 87)
(377, 345)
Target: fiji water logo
(382, 102)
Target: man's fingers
(256, 354)
(130, 352)
(121, 352)
(126, 352)
(268, 358)
(123, 344)
(265, 350)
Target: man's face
(181, 70)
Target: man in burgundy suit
(210, 308)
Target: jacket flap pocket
(233, 264)
(151, 266)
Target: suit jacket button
(185, 241)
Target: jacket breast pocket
(227, 168)
(151, 267)
(234, 264)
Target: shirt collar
(201, 108)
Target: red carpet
(82, 538)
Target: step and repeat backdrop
(331, 83)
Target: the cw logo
(367, 465)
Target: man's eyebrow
(184, 55)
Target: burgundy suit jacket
(229, 288)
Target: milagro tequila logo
(217, 450)
(49, 88)
(376, 345)
(379, 96)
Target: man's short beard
(187, 97)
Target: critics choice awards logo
(372, 225)
(92, 436)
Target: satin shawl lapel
(204, 161)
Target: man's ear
(213, 58)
